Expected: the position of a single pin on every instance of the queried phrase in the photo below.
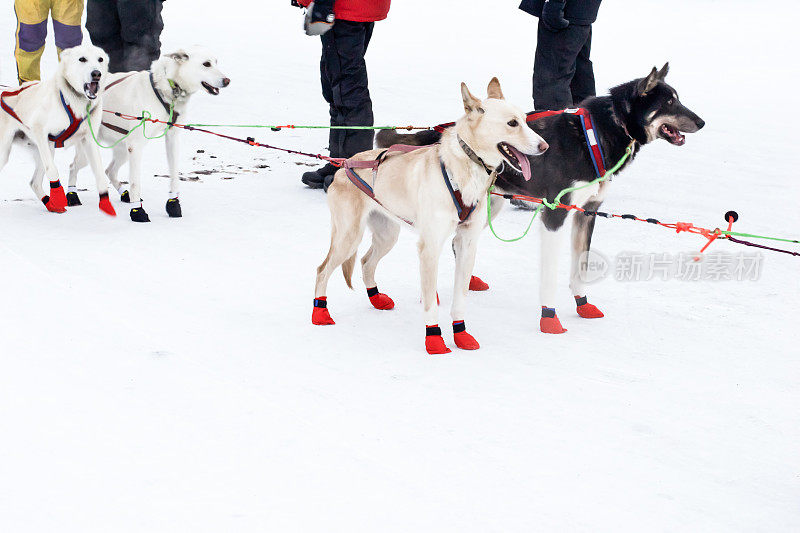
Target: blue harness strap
(74, 124)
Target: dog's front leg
(96, 163)
(551, 242)
(56, 201)
(465, 245)
(582, 229)
(430, 249)
(171, 144)
(78, 163)
(138, 214)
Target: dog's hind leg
(551, 242)
(347, 230)
(119, 156)
(138, 214)
(430, 249)
(384, 236)
(582, 229)
(78, 163)
(465, 244)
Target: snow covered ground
(166, 376)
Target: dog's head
(194, 70)
(658, 112)
(497, 130)
(84, 69)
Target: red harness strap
(74, 124)
(7, 108)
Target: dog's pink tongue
(524, 162)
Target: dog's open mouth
(672, 134)
(210, 88)
(516, 159)
(90, 89)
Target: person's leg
(140, 28)
(582, 85)
(102, 22)
(67, 16)
(31, 33)
(343, 51)
(554, 65)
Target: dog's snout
(543, 146)
(226, 82)
(700, 123)
(96, 75)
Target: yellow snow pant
(32, 30)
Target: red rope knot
(683, 226)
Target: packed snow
(166, 376)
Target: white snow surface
(166, 376)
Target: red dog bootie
(379, 300)
(105, 205)
(587, 310)
(320, 316)
(57, 196)
(464, 340)
(51, 206)
(549, 323)
(477, 284)
(434, 343)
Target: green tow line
(557, 200)
(144, 118)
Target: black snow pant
(344, 85)
(128, 30)
(562, 71)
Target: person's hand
(553, 15)
(319, 17)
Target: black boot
(73, 199)
(316, 179)
(138, 214)
(174, 208)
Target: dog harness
(463, 211)
(588, 131)
(167, 107)
(59, 139)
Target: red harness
(58, 139)
(588, 131)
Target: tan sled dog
(439, 190)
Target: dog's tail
(347, 269)
(386, 138)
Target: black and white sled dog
(640, 111)
(163, 90)
(43, 116)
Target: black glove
(319, 17)
(553, 15)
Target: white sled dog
(43, 116)
(167, 86)
(438, 189)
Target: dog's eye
(82, 60)
(207, 64)
(513, 123)
(670, 101)
(99, 59)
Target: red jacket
(358, 10)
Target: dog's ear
(646, 84)
(471, 104)
(664, 71)
(494, 90)
(179, 57)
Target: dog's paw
(105, 205)
(138, 214)
(477, 284)
(125, 197)
(434, 343)
(51, 206)
(174, 208)
(73, 199)
(57, 196)
(379, 300)
(320, 315)
(549, 323)
(587, 310)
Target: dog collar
(473, 156)
(169, 108)
(463, 211)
